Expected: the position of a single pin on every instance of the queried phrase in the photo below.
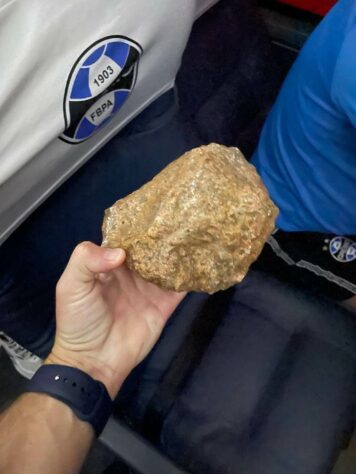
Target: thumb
(86, 262)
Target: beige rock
(198, 225)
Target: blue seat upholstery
(275, 390)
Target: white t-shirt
(72, 74)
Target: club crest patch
(343, 249)
(98, 86)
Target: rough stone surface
(198, 225)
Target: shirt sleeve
(344, 82)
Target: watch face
(99, 84)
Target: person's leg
(322, 264)
(32, 260)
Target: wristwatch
(88, 398)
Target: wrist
(95, 370)
(88, 399)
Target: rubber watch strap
(88, 398)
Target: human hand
(108, 318)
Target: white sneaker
(23, 360)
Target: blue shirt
(307, 151)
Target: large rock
(198, 225)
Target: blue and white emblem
(343, 249)
(98, 86)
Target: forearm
(40, 434)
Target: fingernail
(113, 255)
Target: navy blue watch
(88, 398)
